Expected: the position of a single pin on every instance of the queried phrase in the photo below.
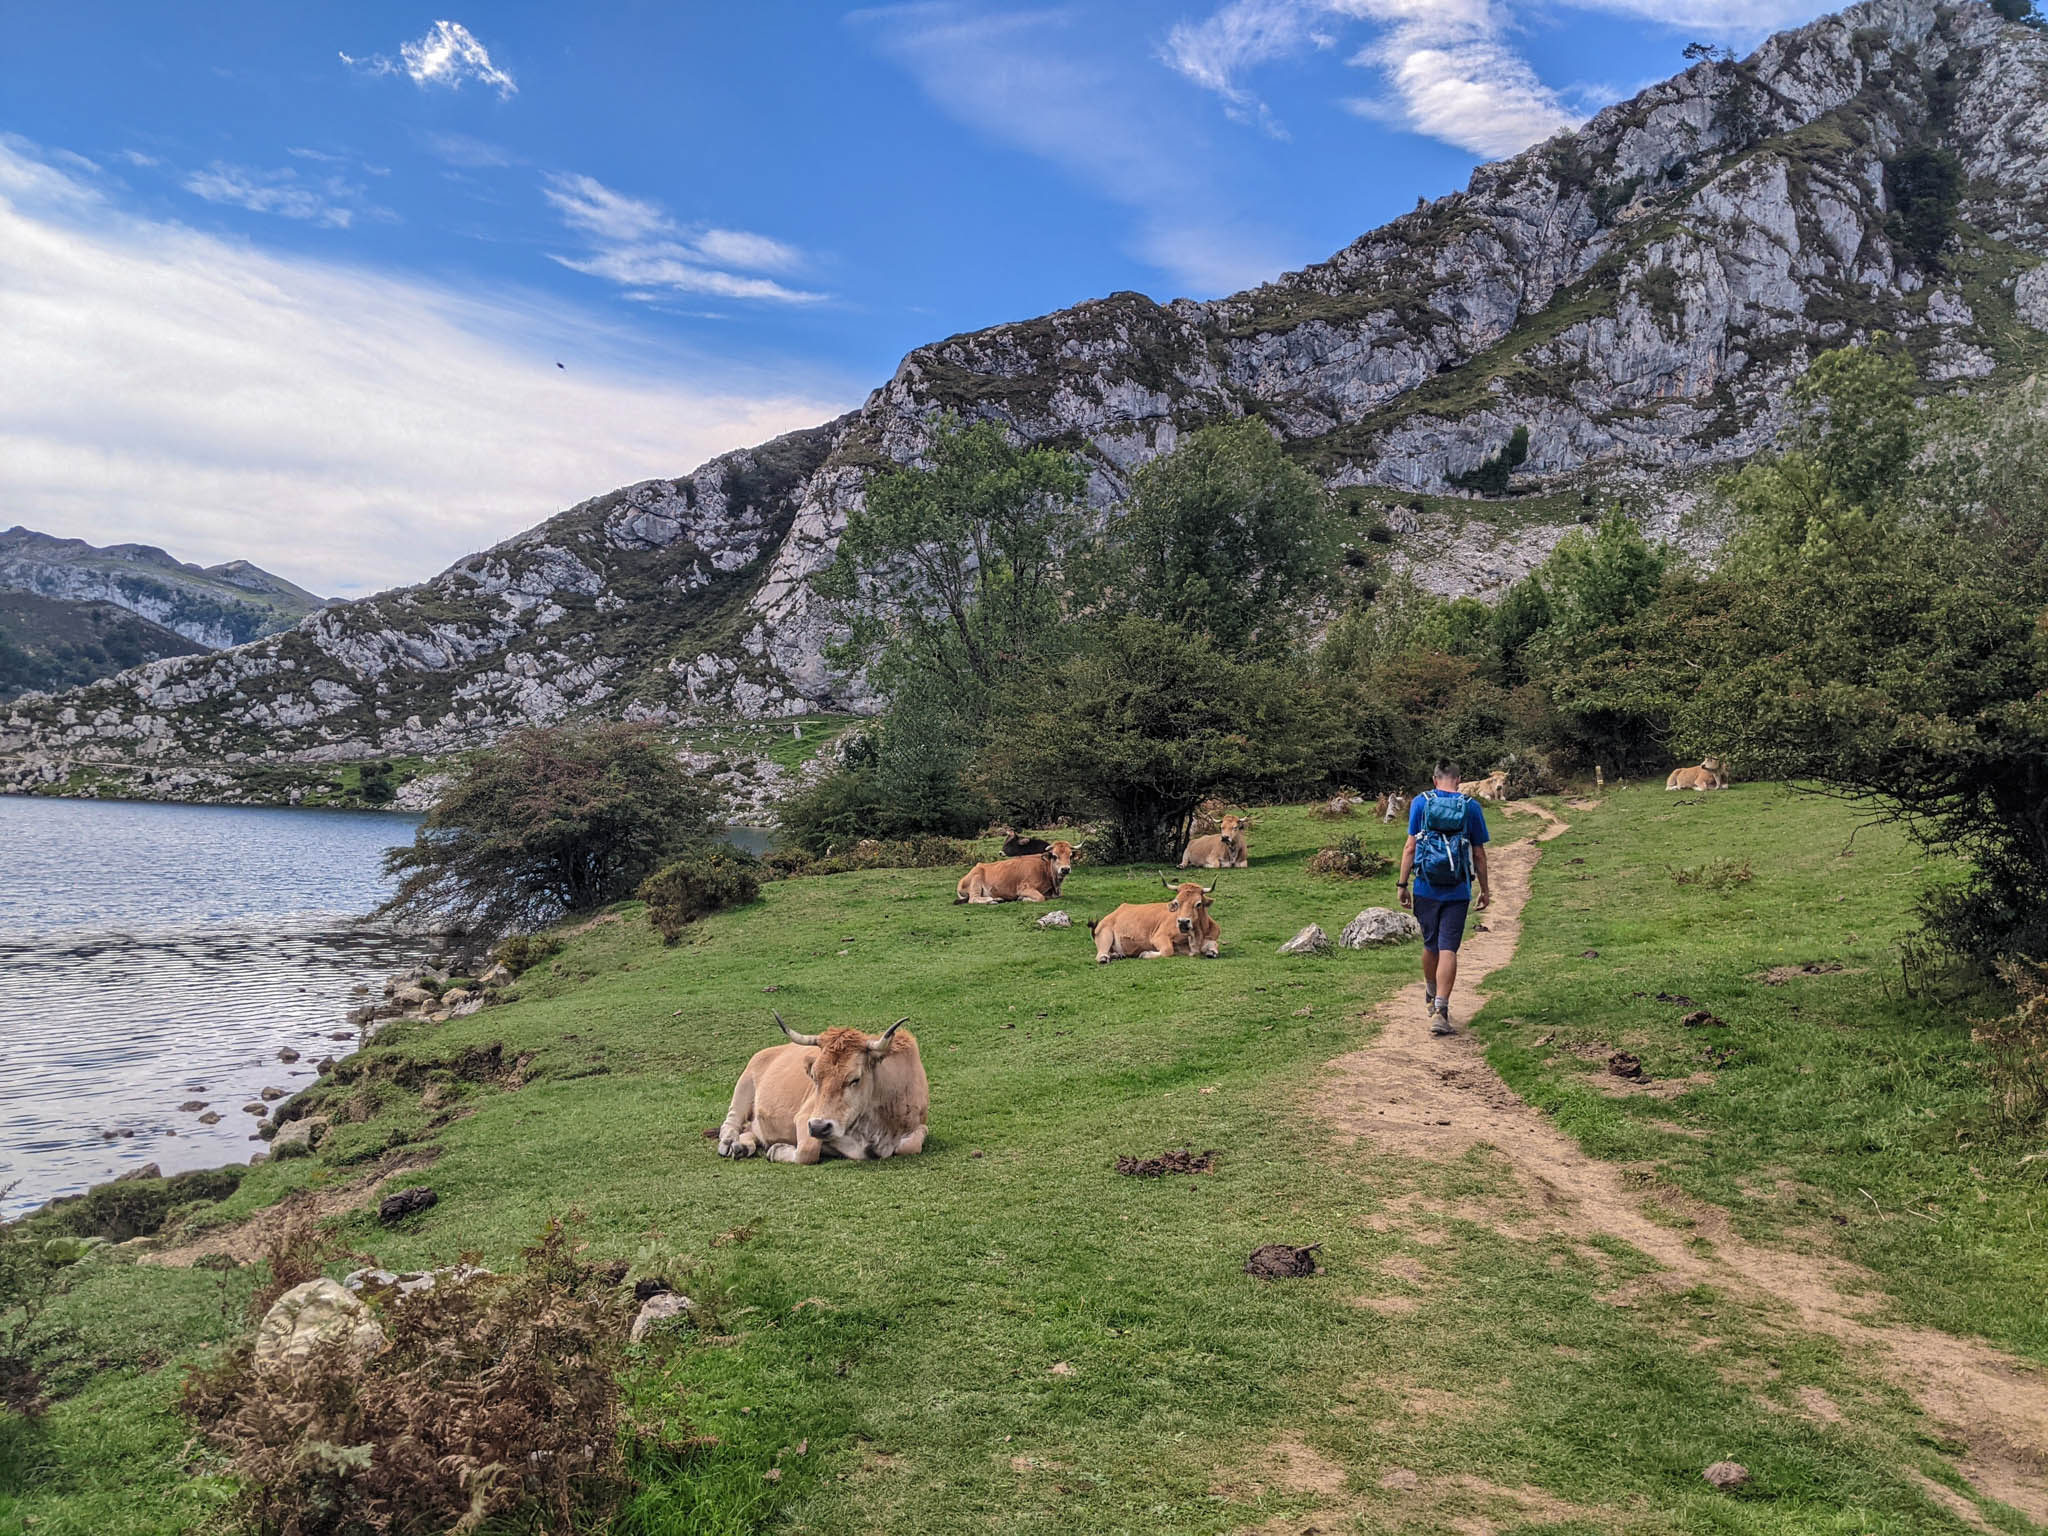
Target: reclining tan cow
(1493, 787)
(1153, 930)
(843, 1092)
(1226, 848)
(1034, 877)
(1706, 776)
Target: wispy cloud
(347, 427)
(470, 153)
(636, 244)
(1449, 67)
(448, 55)
(1021, 78)
(332, 201)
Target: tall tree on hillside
(952, 567)
(1225, 537)
(1142, 725)
(1885, 638)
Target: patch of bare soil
(244, 1242)
(1183, 1161)
(1778, 975)
(1420, 1096)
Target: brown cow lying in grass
(1493, 787)
(1706, 776)
(1034, 877)
(843, 1092)
(1153, 930)
(1228, 848)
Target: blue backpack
(1443, 858)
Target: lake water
(155, 955)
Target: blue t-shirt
(1475, 834)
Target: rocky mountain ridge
(213, 606)
(1639, 294)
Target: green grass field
(1002, 1334)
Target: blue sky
(291, 282)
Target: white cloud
(1019, 78)
(448, 55)
(347, 428)
(1449, 66)
(470, 153)
(329, 202)
(635, 244)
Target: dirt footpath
(1416, 1095)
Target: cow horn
(793, 1035)
(1169, 883)
(1210, 890)
(881, 1042)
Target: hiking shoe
(1441, 1023)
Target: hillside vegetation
(1002, 1333)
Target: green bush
(133, 1207)
(523, 951)
(697, 885)
(1350, 859)
(871, 853)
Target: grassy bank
(1003, 1334)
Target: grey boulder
(1379, 925)
(1310, 941)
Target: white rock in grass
(309, 1315)
(658, 1309)
(1379, 925)
(1055, 920)
(1310, 941)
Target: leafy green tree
(1896, 655)
(1225, 536)
(1524, 613)
(2022, 11)
(909, 776)
(546, 823)
(953, 567)
(1141, 726)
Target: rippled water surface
(157, 955)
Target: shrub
(1493, 473)
(2018, 1047)
(870, 853)
(549, 822)
(1338, 807)
(523, 951)
(1715, 874)
(496, 1399)
(1528, 773)
(1350, 859)
(134, 1207)
(704, 882)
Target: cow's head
(842, 1075)
(1062, 856)
(1190, 901)
(1231, 834)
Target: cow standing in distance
(1228, 848)
(843, 1092)
(1034, 877)
(1153, 930)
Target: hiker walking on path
(1446, 848)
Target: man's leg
(1450, 933)
(1429, 973)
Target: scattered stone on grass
(658, 1309)
(1589, 954)
(146, 1171)
(1676, 999)
(1626, 1064)
(1283, 1261)
(1183, 1161)
(258, 1110)
(309, 1315)
(1055, 920)
(407, 1202)
(1061, 1368)
(1699, 1018)
(1310, 941)
(296, 1138)
(1379, 925)
(1727, 1474)
(271, 1095)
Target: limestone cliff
(1639, 293)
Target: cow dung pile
(1283, 1261)
(1626, 1064)
(1183, 1161)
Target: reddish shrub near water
(496, 1398)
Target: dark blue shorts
(1443, 922)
